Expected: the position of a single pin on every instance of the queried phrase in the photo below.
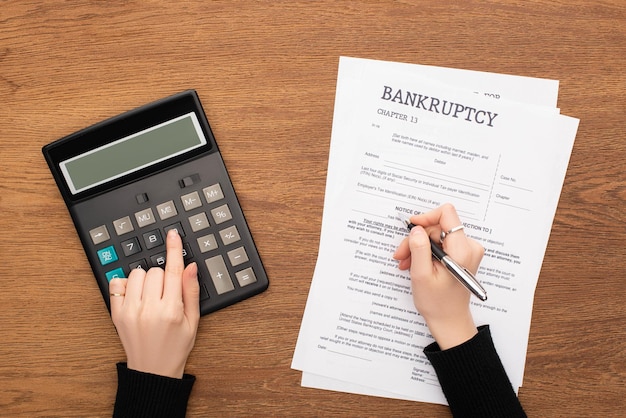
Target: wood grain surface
(266, 73)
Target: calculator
(128, 180)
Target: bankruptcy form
(404, 143)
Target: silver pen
(462, 274)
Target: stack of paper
(405, 139)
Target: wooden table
(266, 73)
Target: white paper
(502, 166)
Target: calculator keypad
(155, 238)
(202, 215)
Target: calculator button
(99, 234)
(166, 210)
(230, 235)
(245, 277)
(221, 214)
(123, 225)
(118, 273)
(207, 243)
(158, 260)
(219, 274)
(187, 254)
(191, 201)
(107, 255)
(237, 256)
(145, 217)
(213, 193)
(198, 222)
(204, 294)
(152, 239)
(131, 246)
(177, 227)
(140, 264)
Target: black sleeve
(473, 379)
(149, 395)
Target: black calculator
(128, 180)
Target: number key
(152, 239)
(131, 246)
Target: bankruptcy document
(405, 141)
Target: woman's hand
(156, 313)
(438, 296)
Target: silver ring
(443, 234)
(117, 294)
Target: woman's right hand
(156, 313)
(438, 296)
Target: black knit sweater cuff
(473, 379)
(142, 394)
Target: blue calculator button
(118, 273)
(107, 255)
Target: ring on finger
(444, 234)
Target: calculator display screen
(132, 153)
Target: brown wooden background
(266, 73)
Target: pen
(462, 274)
